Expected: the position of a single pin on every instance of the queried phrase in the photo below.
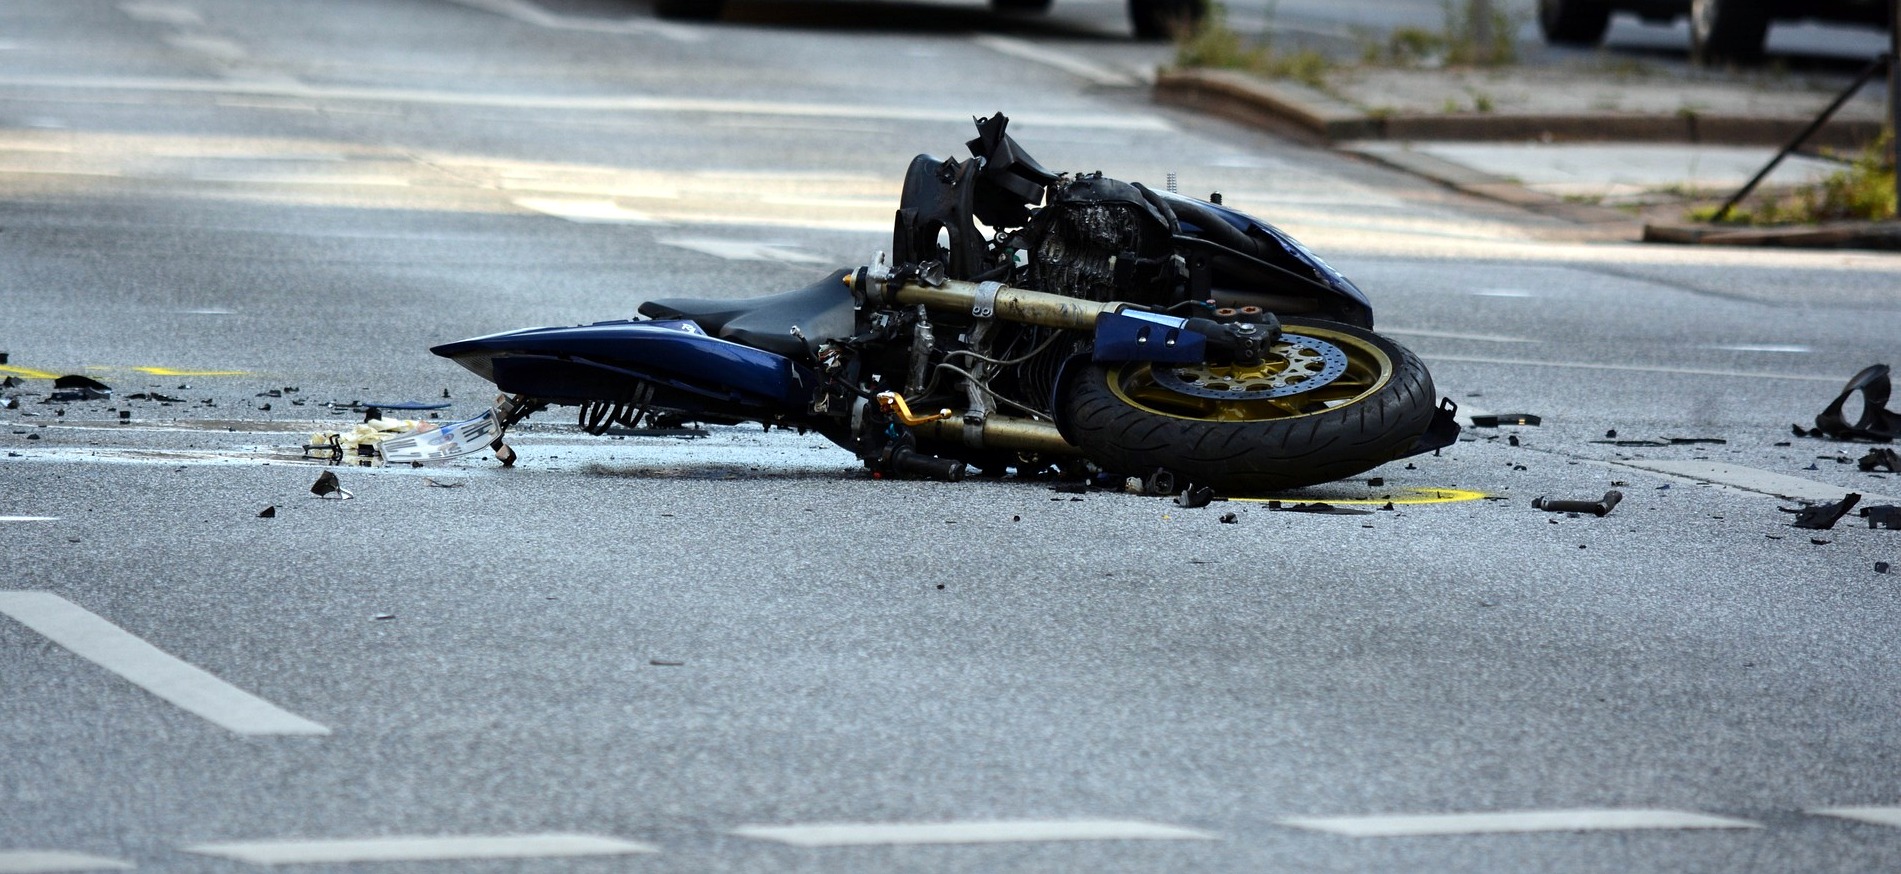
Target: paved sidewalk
(1587, 143)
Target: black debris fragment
(1493, 420)
(327, 485)
(1601, 507)
(1376, 482)
(1881, 567)
(12, 382)
(73, 380)
(267, 513)
(1821, 517)
(1883, 516)
(1632, 442)
(1887, 458)
(1228, 519)
(1611, 434)
(1319, 507)
(380, 617)
(154, 396)
(1691, 441)
(1877, 423)
(1195, 496)
(663, 663)
(1513, 440)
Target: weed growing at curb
(1864, 191)
(1476, 33)
(1212, 43)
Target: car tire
(1574, 22)
(690, 10)
(1156, 20)
(1728, 31)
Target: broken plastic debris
(408, 441)
(1883, 516)
(1877, 424)
(267, 513)
(1194, 496)
(1887, 458)
(1821, 517)
(73, 380)
(327, 485)
(1493, 420)
(1227, 519)
(154, 396)
(1320, 507)
(1601, 507)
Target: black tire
(1155, 20)
(1022, 7)
(1374, 411)
(1728, 31)
(1574, 22)
(690, 10)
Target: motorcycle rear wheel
(1328, 402)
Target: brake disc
(1295, 364)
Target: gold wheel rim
(1368, 369)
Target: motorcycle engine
(1100, 239)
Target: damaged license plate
(450, 441)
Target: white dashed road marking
(1633, 368)
(52, 861)
(1088, 71)
(175, 14)
(739, 250)
(151, 668)
(1888, 816)
(419, 849)
(1751, 479)
(29, 518)
(1012, 831)
(1512, 823)
(591, 212)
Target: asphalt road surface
(737, 652)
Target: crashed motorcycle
(1023, 320)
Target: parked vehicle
(1721, 31)
(1100, 323)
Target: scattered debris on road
(1493, 420)
(73, 387)
(1887, 458)
(1877, 423)
(327, 485)
(1194, 496)
(1821, 517)
(268, 512)
(1318, 507)
(1883, 516)
(1601, 507)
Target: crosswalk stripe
(1512, 822)
(981, 832)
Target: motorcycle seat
(821, 311)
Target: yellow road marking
(167, 371)
(27, 372)
(1402, 496)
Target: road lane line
(1451, 335)
(1512, 822)
(29, 518)
(1751, 479)
(1888, 816)
(990, 832)
(175, 14)
(600, 103)
(529, 13)
(1631, 368)
(150, 668)
(53, 861)
(587, 212)
(419, 849)
(1088, 71)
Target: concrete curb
(1284, 105)
(1839, 235)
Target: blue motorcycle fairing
(1134, 335)
(608, 360)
